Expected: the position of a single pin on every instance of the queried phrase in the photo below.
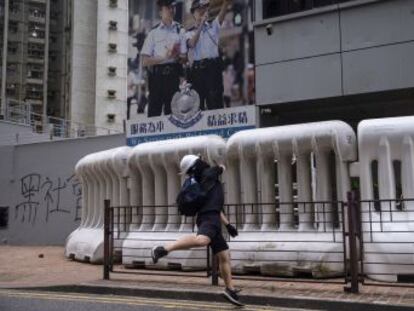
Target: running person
(209, 219)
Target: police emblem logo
(185, 107)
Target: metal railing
(386, 242)
(375, 239)
(51, 127)
(124, 224)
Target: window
(11, 68)
(13, 27)
(37, 11)
(4, 217)
(12, 47)
(272, 8)
(35, 50)
(14, 7)
(11, 89)
(36, 31)
(34, 91)
(35, 72)
(112, 71)
(111, 94)
(112, 47)
(110, 118)
(113, 25)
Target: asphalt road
(13, 300)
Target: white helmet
(187, 162)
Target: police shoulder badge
(185, 107)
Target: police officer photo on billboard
(179, 69)
(206, 73)
(162, 52)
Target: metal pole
(214, 272)
(107, 232)
(4, 60)
(352, 237)
(46, 62)
(208, 262)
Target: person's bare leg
(225, 268)
(187, 242)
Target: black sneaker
(158, 252)
(231, 295)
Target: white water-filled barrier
(104, 177)
(386, 172)
(156, 221)
(287, 183)
(285, 189)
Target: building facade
(98, 87)
(334, 59)
(34, 40)
(65, 59)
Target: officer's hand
(172, 54)
(232, 230)
(204, 18)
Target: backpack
(191, 197)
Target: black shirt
(215, 195)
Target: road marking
(134, 301)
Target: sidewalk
(46, 268)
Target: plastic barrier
(280, 186)
(293, 227)
(386, 171)
(155, 176)
(103, 176)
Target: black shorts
(209, 224)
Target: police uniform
(206, 74)
(163, 79)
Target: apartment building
(65, 59)
(34, 36)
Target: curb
(292, 302)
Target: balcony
(34, 81)
(33, 60)
(36, 40)
(16, 16)
(12, 78)
(14, 37)
(38, 1)
(36, 19)
(34, 102)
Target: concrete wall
(361, 46)
(11, 128)
(38, 185)
(12, 133)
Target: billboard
(190, 69)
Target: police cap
(198, 4)
(162, 3)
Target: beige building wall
(84, 34)
(111, 64)
(100, 42)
